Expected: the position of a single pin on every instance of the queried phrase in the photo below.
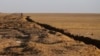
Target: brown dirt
(79, 24)
(19, 37)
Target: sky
(50, 6)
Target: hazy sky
(52, 6)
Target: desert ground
(49, 34)
(81, 24)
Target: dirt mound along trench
(23, 38)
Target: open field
(81, 24)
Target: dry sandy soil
(25, 37)
(81, 24)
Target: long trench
(86, 40)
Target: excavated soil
(20, 37)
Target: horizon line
(54, 12)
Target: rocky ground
(19, 37)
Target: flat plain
(78, 24)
